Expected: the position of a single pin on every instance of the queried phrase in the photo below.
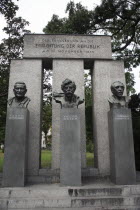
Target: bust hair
(113, 85)
(21, 83)
(67, 82)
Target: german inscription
(16, 117)
(67, 46)
(121, 117)
(70, 117)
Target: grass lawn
(90, 159)
(46, 157)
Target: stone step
(18, 203)
(61, 192)
(95, 197)
(39, 194)
(75, 192)
(103, 202)
(125, 190)
(86, 208)
(98, 192)
(111, 201)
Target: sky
(39, 12)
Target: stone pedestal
(105, 72)
(122, 162)
(70, 147)
(73, 70)
(30, 72)
(15, 147)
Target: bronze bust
(20, 100)
(67, 99)
(117, 100)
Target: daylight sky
(39, 12)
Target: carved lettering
(65, 45)
(16, 117)
(70, 117)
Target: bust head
(117, 88)
(20, 90)
(68, 87)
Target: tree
(10, 48)
(47, 120)
(88, 112)
(78, 21)
(129, 77)
(119, 19)
(47, 104)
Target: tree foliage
(46, 119)
(47, 103)
(129, 77)
(88, 112)
(10, 48)
(119, 19)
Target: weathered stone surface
(54, 197)
(122, 161)
(15, 147)
(70, 147)
(74, 70)
(67, 46)
(30, 72)
(103, 74)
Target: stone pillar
(70, 147)
(74, 70)
(122, 161)
(15, 154)
(30, 72)
(104, 73)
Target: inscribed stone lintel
(67, 46)
(15, 147)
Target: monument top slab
(67, 46)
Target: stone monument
(70, 146)
(67, 56)
(122, 161)
(15, 155)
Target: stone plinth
(30, 72)
(15, 147)
(104, 73)
(67, 46)
(73, 70)
(70, 147)
(122, 161)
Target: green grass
(46, 157)
(90, 159)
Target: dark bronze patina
(20, 100)
(67, 99)
(117, 99)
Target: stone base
(122, 161)
(15, 147)
(70, 150)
